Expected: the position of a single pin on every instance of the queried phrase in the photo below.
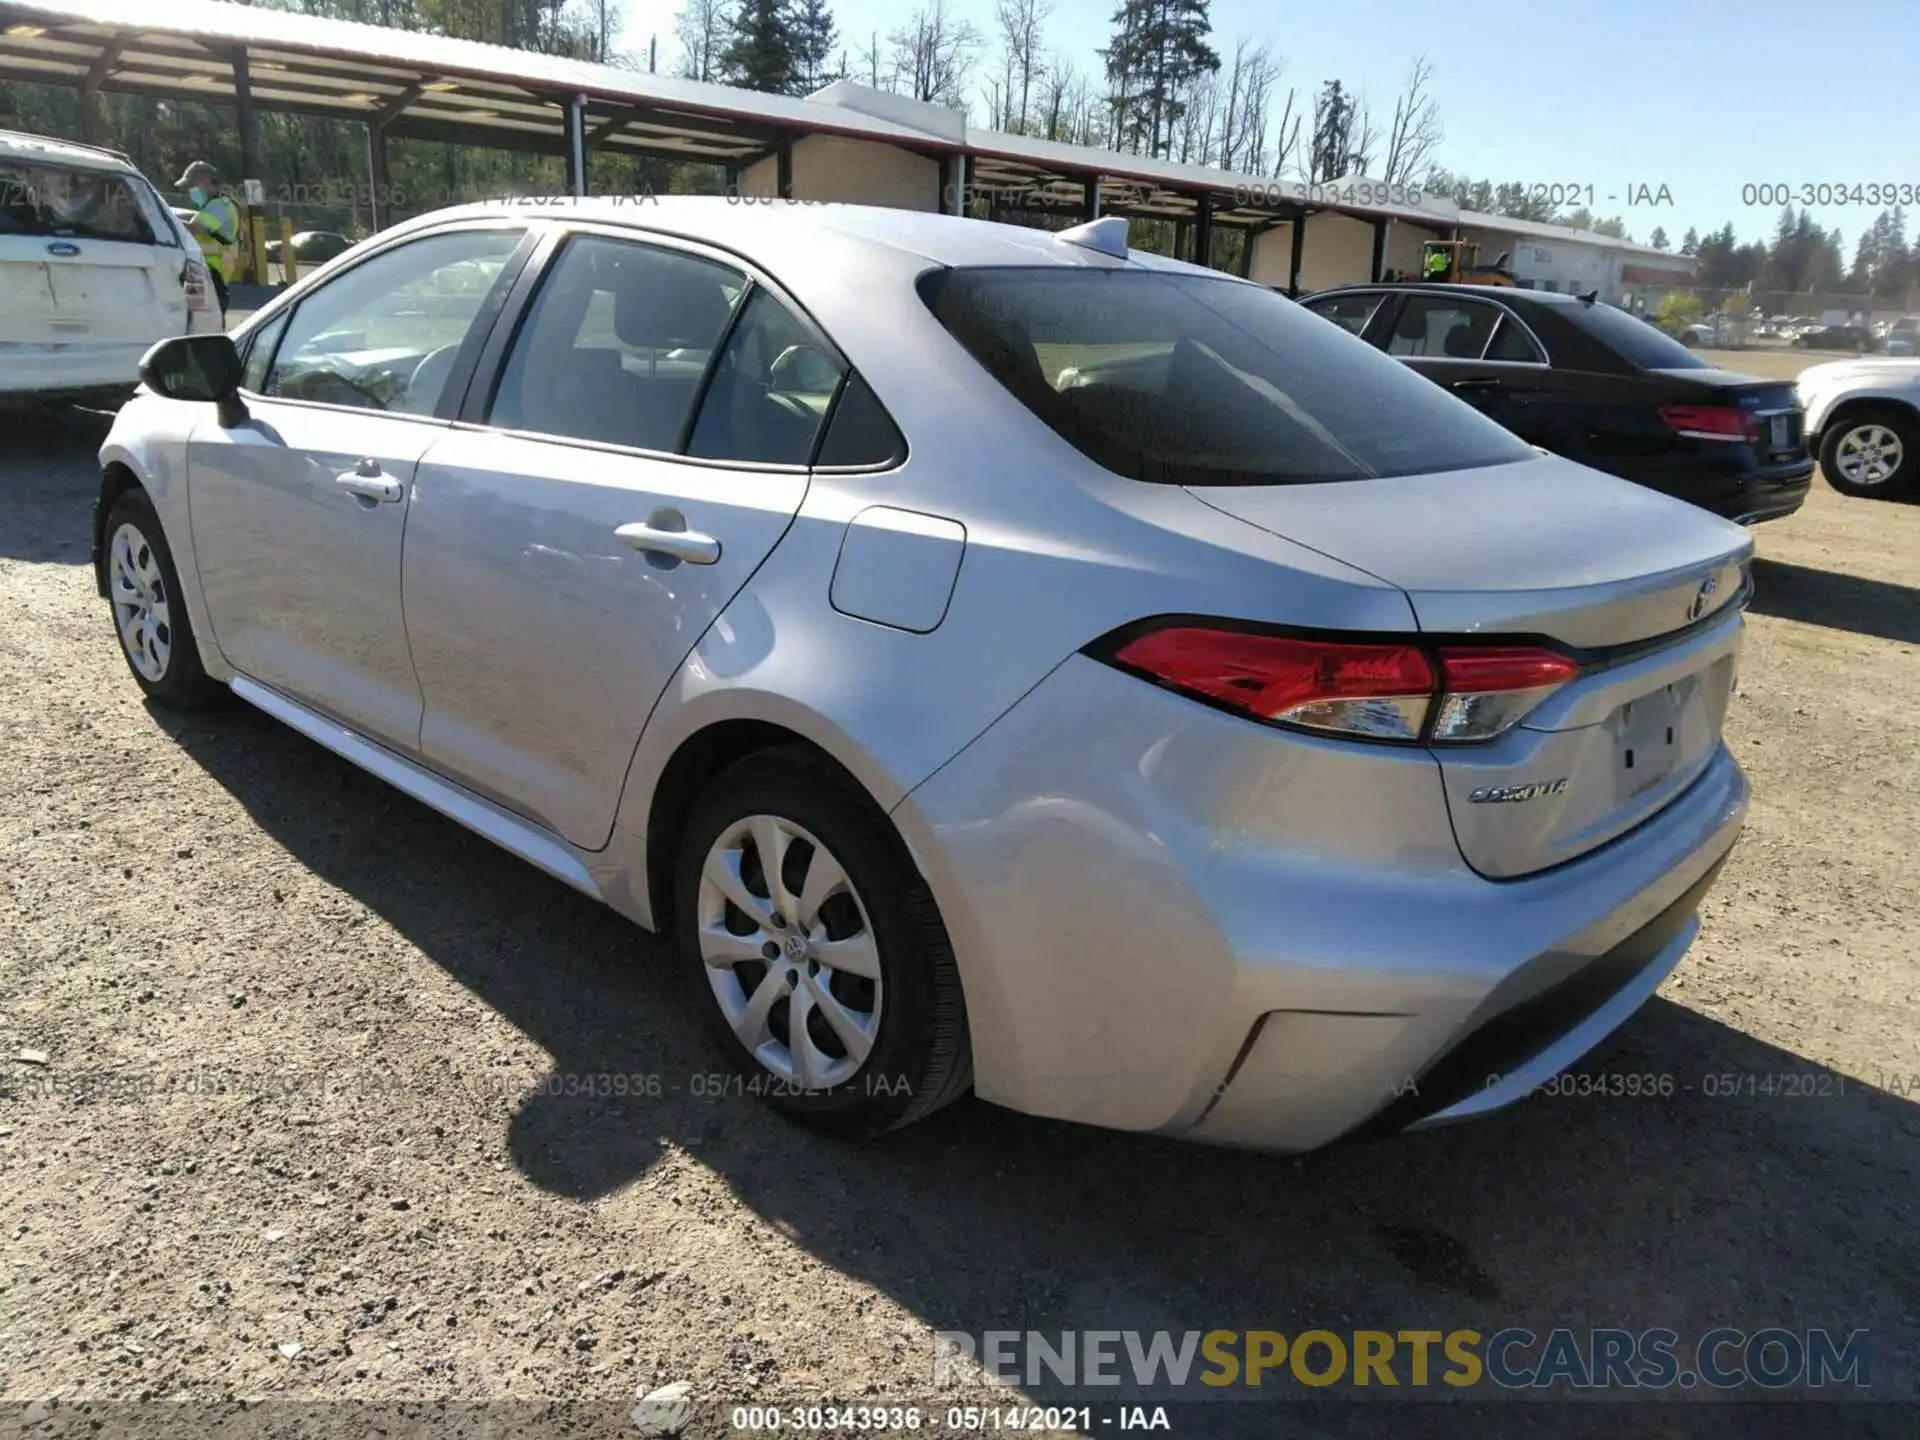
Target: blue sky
(1702, 96)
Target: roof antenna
(1590, 297)
(1108, 235)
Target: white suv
(93, 269)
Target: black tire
(182, 682)
(921, 1057)
(1897, 486)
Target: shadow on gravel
(49, 457)
(1762, 1190)
(1839, 602)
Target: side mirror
(197, 367)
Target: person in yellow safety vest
(1437, 265)
(215, 224)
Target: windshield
(1632, 339)
(1191, 380)
(56, 201)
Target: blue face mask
(198, 195)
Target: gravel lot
(288, 1061)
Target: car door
(643, 448)
(1489, 357)
(297, 514)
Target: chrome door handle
(688, 545)
(371, 486)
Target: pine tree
(762, 50)
(1690, 242)
(814, 39)
(1159, 49)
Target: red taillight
(193, 280)
(1490, 688)
(1371, 690)
(1380, 691)
(1712, 422)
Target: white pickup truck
(94, 268)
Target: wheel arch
(116, 479)
(675, 776)
(1852, 405)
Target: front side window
(770, 391)
(257, 354)
(616, 344)
(384, 335)
(1193, 380)
(1349, 312)
(60, 202)
(1443, 328)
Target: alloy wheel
(790, 952)
(1869, 455)
(141, 604)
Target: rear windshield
(1192, 380)
(1641, 345)
(55, 201)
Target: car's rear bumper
(1171, 920)
(32, 371)
(1748, 497)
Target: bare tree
(933, 54)
(1416, 131)
(873, 60)
(702, 28)
(1286, 140)
(1248, 95)
(1020, 23)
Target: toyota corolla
(996, 659)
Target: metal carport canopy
(418, 85)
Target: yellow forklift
(1457, 262)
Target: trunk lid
(71, 291)
(1644, 590)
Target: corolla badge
(63, 247)
(1514, 794)
(1702, 596)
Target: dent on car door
(645, 446)
(298, 513)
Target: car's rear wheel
(1871, 453)
(156, 636)
(819, 956)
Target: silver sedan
(997, 659)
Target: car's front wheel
(150, 618)
(817, 951)
(1871, 453)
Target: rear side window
(1630, 338)
(1439, 327)
(861, 433)
(1511, 342)
(1349, 312)
(770, 390)
(64, 203)
(1193, 380)
(616, 344)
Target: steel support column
(1380, 229)
(377, 184)
(1299, 247)
(1203, 232)
(243, 117)
(577, 147)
